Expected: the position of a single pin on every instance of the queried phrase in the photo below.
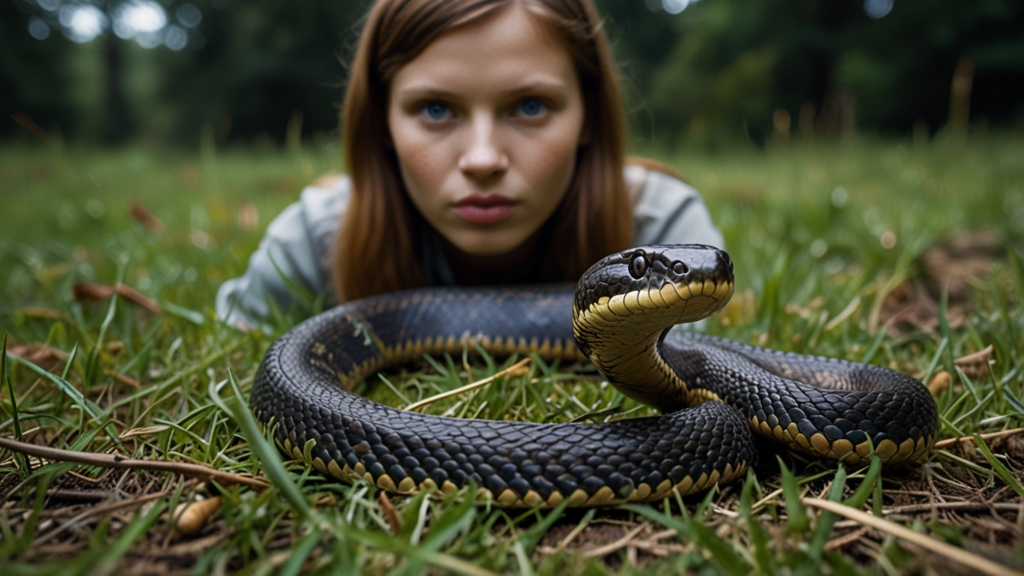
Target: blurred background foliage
(704, 72)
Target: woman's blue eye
(532, 107)
(435, 111)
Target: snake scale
(713, 392)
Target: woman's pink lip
(484, 200)
(485, 208)
(480, 214)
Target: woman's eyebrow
(538, 86)
(419, 92)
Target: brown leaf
(966, 255)
(47, 358)
(46, 313)
(143, 216)
(190, 177)
(939, 383)
(976, 365)
(248, 217)
(945, 268)
(91, 292)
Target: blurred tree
(710, 70)
(835, 65)
(32, 52)
(267, 65)
(641, 40)
(901, 66)
(113, 23)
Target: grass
(821, 233)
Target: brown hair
(375, 250)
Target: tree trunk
(114, 126)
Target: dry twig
(989, 436)
(204, 473)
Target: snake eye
(638, 266)
(680, 268)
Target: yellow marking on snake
(555, 499)
(508, 497)
(533, 499)
(642, 492)
(821, 444)
(842, 447)
(886, 448)
(602, 497)
(577, 498)
(336, 471)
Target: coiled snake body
(620, 314)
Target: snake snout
(657, 267)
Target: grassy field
(845, 248)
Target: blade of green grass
(269, 457)
(758, 535)
(867, 484)
(691, 528)
(86, 405)
(91, 365)
(798, 521)
(998, 466)
(132, 532)
(300, 552)
(823, 529)
(5, 373)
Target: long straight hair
(375, 249)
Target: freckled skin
(490, 108)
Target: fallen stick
(204, 473)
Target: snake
(714, 394)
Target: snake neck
(629, 355)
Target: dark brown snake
(620, 314)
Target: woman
(485, 145)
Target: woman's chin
(487, 245)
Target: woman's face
(486, 123)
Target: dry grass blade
(516, 369)
(842, 541)
(204, 473)
(990, 436)
(390, 513)
(972, 561)
(957, 506)
(613, 546)
(101, 511)
(844, 315)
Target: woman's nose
(484, 156)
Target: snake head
(692, 280)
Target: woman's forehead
(513, 47)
